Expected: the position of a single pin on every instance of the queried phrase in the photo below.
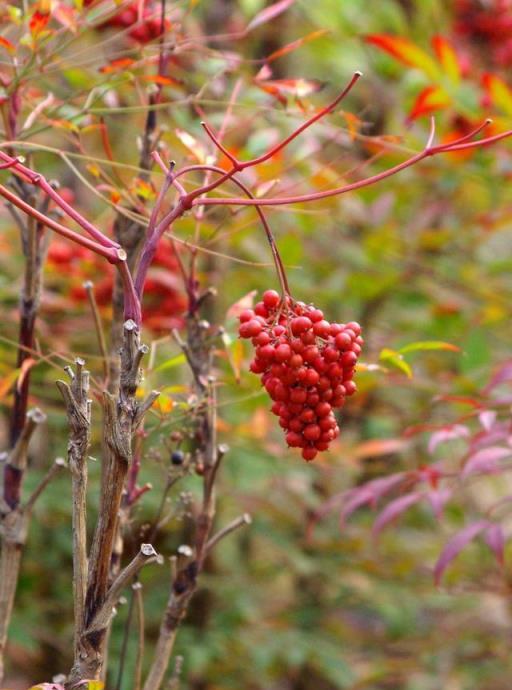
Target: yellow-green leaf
(428, 345)
(395, 359)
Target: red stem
(112, 254)
(458, 145)
(35, 178)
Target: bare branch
(146, 555)
(56, 467)
(241, 521)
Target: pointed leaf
(487, 419)
(447, 56)
(428, 345)
(296, 44)
(485, 461)
(393, 510)
(269, 13)
(499, 92)
(9, 47)
(191, 143)
(455, 546)
(430, 99)
(406, 52)
(448, 434)
(395, 359)
(495, 540)
(438, 499)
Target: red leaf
(448, 434)
(455, 546)
(495, 540)
(394, 510)
(116, 65)
(405, 51)
(430, 99)
(269, 13)
(7, 45)
(38, 22)
(447, 56)
(485, 461)
(296, 44)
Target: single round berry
(343, 341)
(300, 324)
(283, 352)
(271, 299)
(177, 457)
(246, 315)
(323, 409)
(322, 329)
(309, 453)
(312, 432)
(294, 439)
(350, 387)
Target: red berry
(321, 445)
(312, 377)
(350, 387)
(335, 328)
(313, 399)
(295, 361)
(312, 432)
(315, 315)
(298, 395)
(309, 453)
(262, 338)
(278, 330)
(308, 416)
(330, 354)
(326, 423)
(283, 352)
(300, 324)
(261, 310)
(354, 326)
(271, 299)
(293, 439)
(296, 408)
(266, 352)
(246, 315)
(348, 359)
(308, 338)
(295, 424)
(343, 341)
(322, 328)
(257, 366)
(323, 409)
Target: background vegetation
(296, 601)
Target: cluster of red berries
(306, 364)
(488, 25)
(147, 29)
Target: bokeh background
(296, 601)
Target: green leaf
(170, 363)
(395, 359)
(428, 345)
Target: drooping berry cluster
(306, 364)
